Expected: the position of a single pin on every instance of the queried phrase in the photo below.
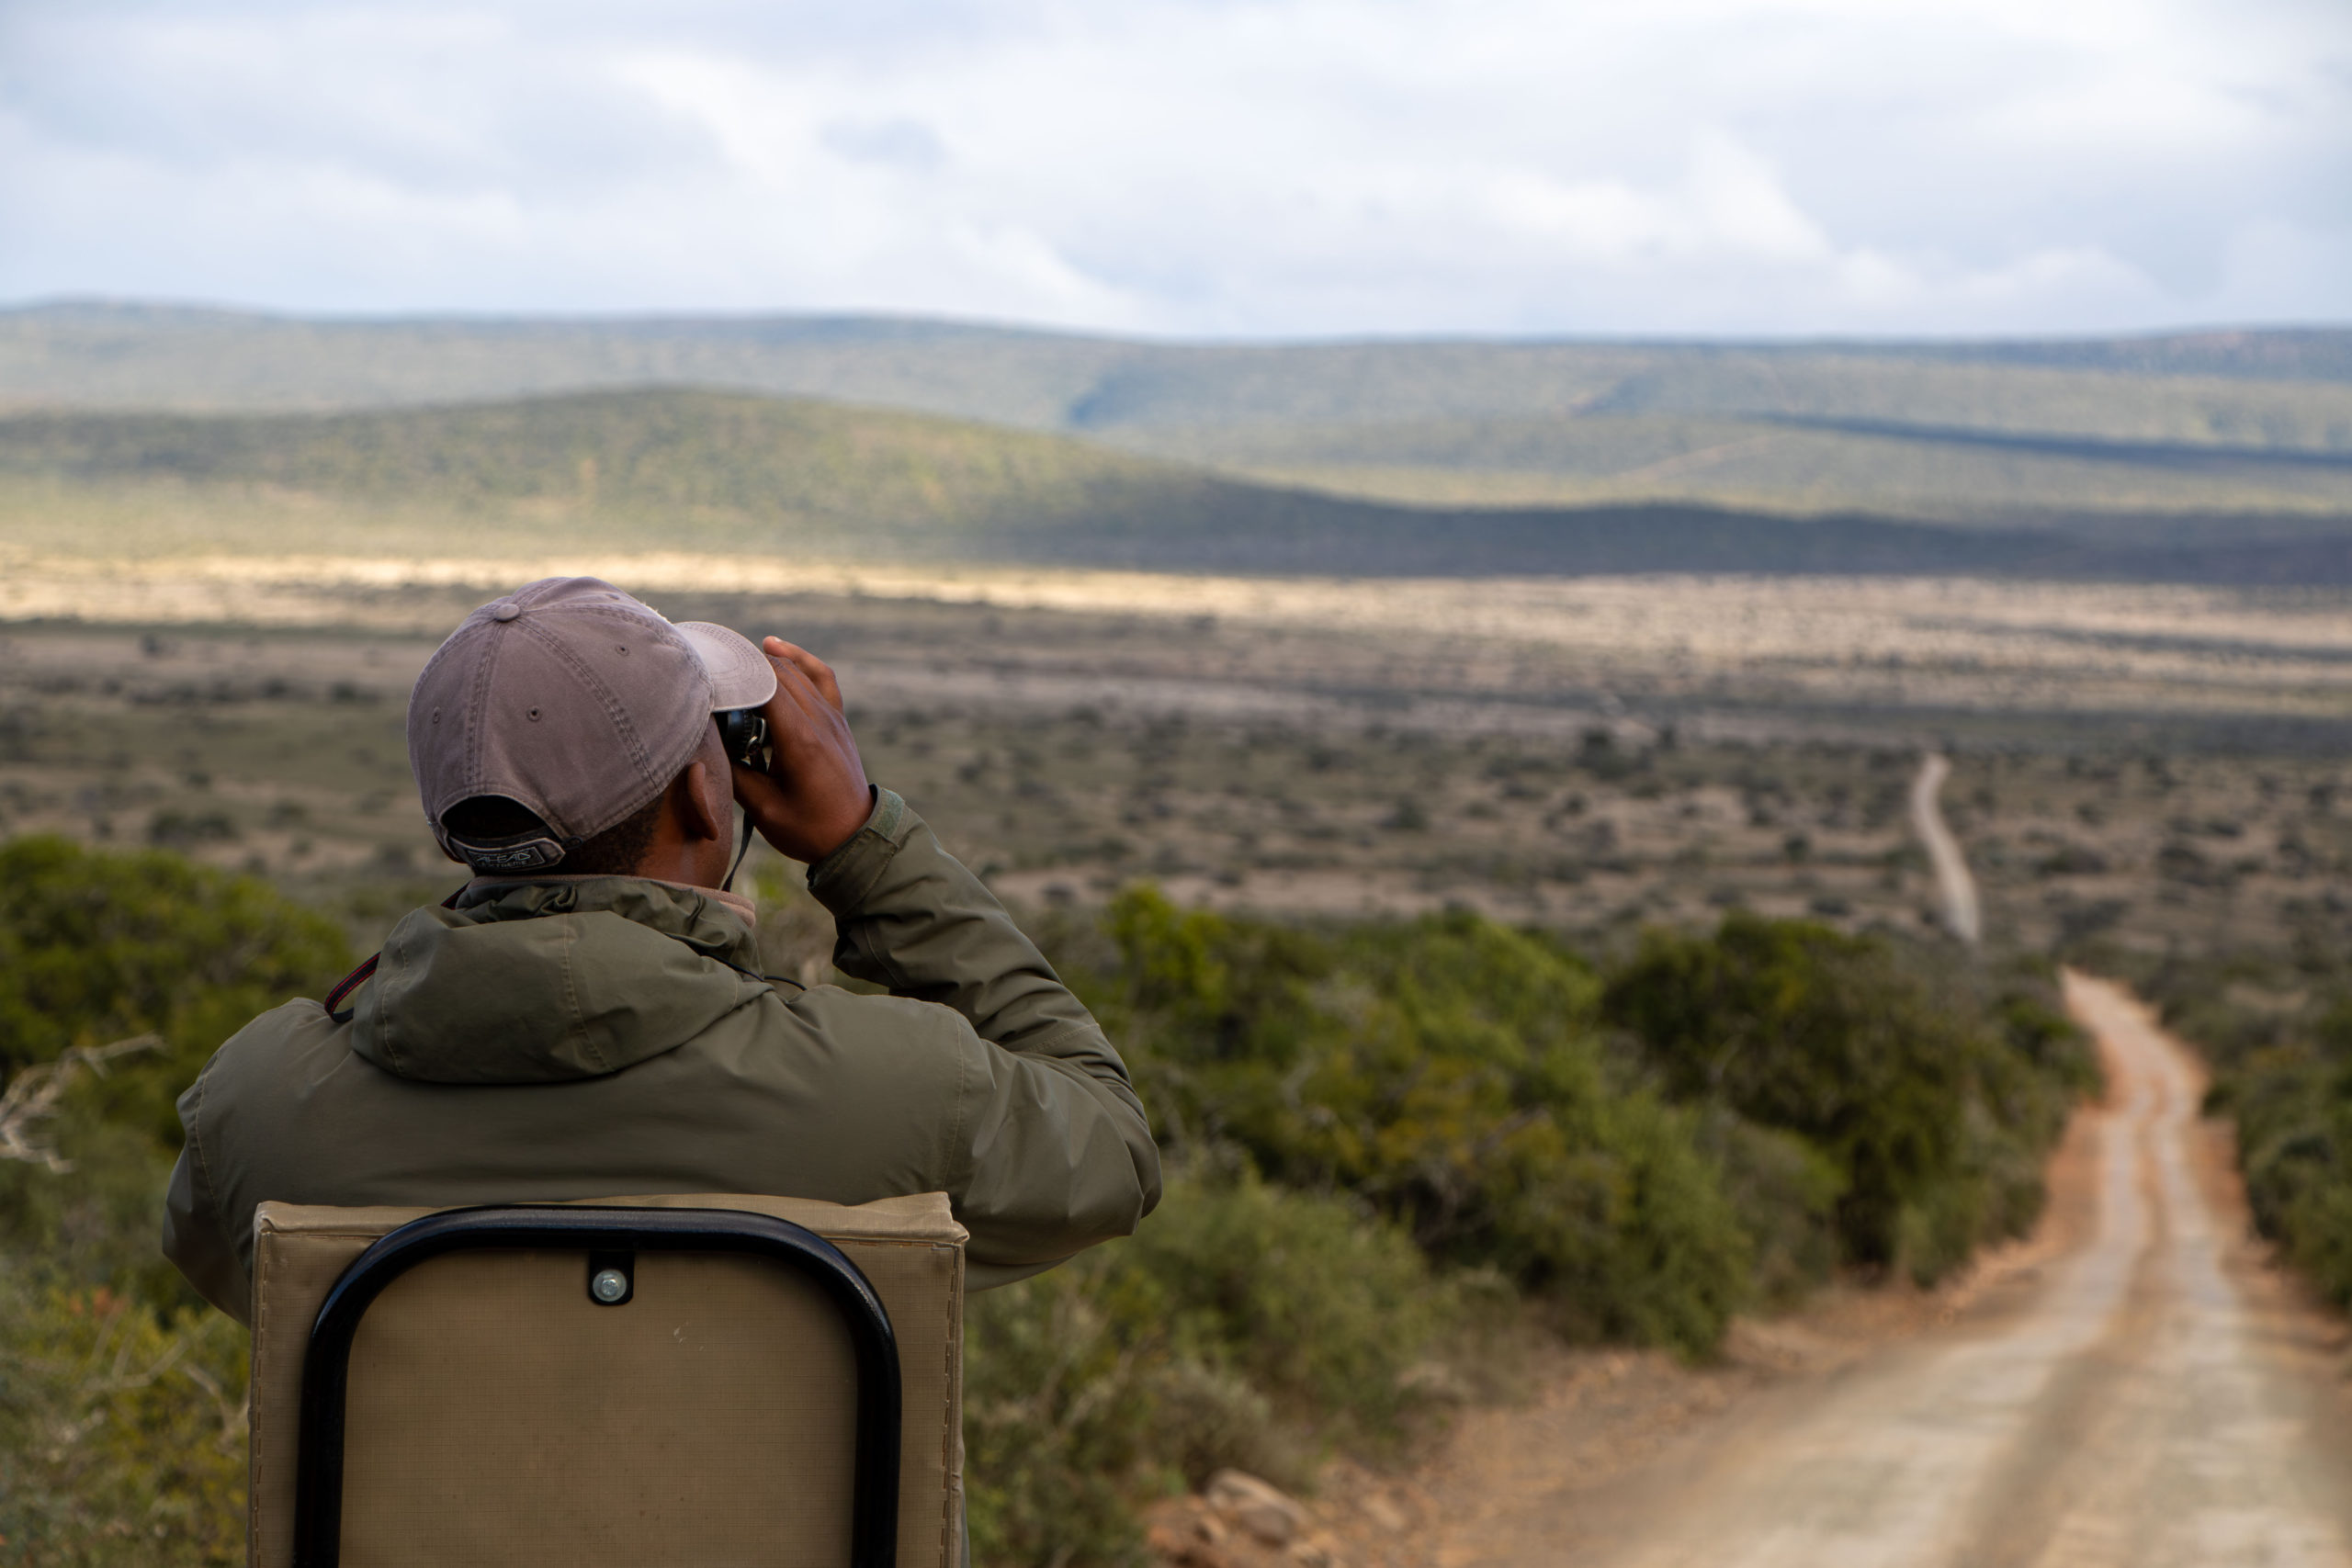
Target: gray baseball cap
(576, 702)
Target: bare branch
(32, 1096)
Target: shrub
(122, 1433)
(179, 830)
(1449, 1072)
(2278, 1034)
(1784, 1192)
(1247, 1324)
(1930, 1096)
(2293, 1108)
(95, 947)
(1056, 1421)
(1799, 1027)
(1319, 1304)
(121, 1396)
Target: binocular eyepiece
(744, 733)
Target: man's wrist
(841, 880)
(873, 798)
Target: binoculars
(744, 733)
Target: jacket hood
(548, 982)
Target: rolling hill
(682, 469)
(2134, 438)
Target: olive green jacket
(608, 1036)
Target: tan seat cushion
(495, 1414)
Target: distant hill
(715, 471)
(2141, 431)
(728, 463)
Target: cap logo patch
(530, 856)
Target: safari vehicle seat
(691, 1380)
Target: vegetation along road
(2150, 1395)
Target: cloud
(901, 142)
(1244, 168)
(1729, 204)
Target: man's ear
(693, 798)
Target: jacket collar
(490, 889)
(553, 980)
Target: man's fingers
(799, 716)
(757, 793)
(818, 673)
(798, 707)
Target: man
(586, 1018)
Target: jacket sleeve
(195, 1239)
(1052, 1151)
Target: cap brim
(740, 676)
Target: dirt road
(1955, 887)
(2149, 1396)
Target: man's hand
(817, 799)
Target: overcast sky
(1228, 167)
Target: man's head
(567, 727)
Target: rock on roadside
(1239, 1521)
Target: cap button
(505, 610)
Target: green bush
(121, 1396)
(1246, 1325)
(1931, 1094)
(122, 1433)
(1318, 1304)
(1784, 1192)
(2211, 1000)
(95, 947)
(2293, 1109)
(1451, 1073)
(1802, 1027)
(1057, 1427)
(2277, 1031)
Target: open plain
(2152, 765)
